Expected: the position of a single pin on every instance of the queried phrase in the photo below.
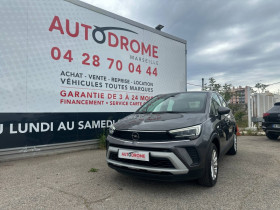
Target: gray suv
(173, 137)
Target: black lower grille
(141, 171)
(193, 154)
(153, 162)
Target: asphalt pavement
(249, 180)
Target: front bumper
(179, 167)
(186, 158)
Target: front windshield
(176, 103)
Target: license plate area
(133, 155)
(276, 126)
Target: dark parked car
(174, 136)
(271, 123)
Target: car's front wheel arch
(210, 174)
(215, 140)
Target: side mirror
(223, 110)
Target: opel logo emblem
(135, 136)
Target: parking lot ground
(249, 180)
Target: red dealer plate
(133, 155)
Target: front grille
(153, 162)
(143, 136)
(193, 155)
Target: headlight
(112, 129)
(186, 133)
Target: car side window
(224, 104)
(216, 98)
(214, 108)
(215, 104)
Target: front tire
(272, 136)
(233, 149)
(210, 176)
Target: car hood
(159, 122)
